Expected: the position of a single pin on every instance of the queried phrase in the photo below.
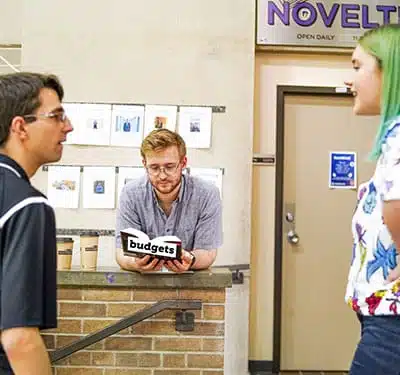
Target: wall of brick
(152, 347)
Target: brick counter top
(115, 277)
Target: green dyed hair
(384, 44)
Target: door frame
(282, 92)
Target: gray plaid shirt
(196, 215)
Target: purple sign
(323, 23)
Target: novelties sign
(321, 23)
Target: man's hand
(204, 259)
(144, 264)
(182, 265)
(147, 264)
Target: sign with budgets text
(321, 23)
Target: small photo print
(69, 185)
(95, 123)
(128, 180)
(99, 187)
(160, 122)
(127, 124)
(195, 125)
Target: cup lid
(89, 233)
(64, 239)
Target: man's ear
(144, 162)
(184, 162)
(18, 127)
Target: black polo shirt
(28, 254)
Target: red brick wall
(152, 347)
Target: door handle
(293, 237)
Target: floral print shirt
(374, 253)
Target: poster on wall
(195, 126)
(127, 174)
(98, 187)
(63, 186)
(159, 117)
(342, 170)
(213, 175)
(91, 122)
(321, 23)
(127, 125)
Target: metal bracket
(237, 277)
(184, 321)
(236, 269)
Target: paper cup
(89, 249)
(64, 253)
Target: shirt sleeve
(391, 165)
(23, 268)
(127, 216)
(208, 232)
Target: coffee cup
(64, 253)
(89, 249)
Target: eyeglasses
(58, 116)
(168, 169)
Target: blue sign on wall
(343, 170)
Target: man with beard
(167, 202)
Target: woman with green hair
(373, 289)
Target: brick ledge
(114, 277)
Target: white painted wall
(10, 21)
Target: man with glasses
(168, 202)
(33, 127)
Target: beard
(166, 186)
